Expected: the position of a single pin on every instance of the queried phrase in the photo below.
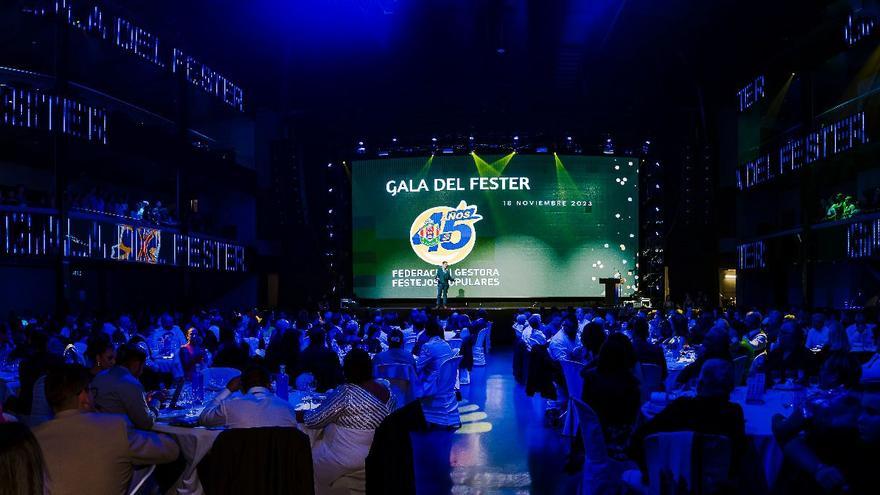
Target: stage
(501, 312)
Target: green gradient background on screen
(537, 251)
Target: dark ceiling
(381, 67)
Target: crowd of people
(119, 203)
(22, 197)
(829, 442)
(79, 374)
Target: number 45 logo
(446, 234)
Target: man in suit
(443, 278)
(118, 390)
(87, 452)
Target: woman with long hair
(22, 469)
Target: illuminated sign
(36, 110)
(751, 93)
(826, 141)
(38, 232)
(135, 40)
(751, 256)
(858, 27)
(863, 239)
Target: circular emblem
(445, 234)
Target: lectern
(610, 290)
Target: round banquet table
(759, 429)
(195, 442)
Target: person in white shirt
(565, 344)
(256, 407)
(165, 343)
(533, 335)
(861, 334)
(520, 325)
(432, 355)
(817, 336)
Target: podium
(610, 290)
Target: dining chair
(440, 404)
(574, 384)
(651, 378)
(601, 474)
(481, 347)
(685, 462)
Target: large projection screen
(514, 226)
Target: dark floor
(503, 446)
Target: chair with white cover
(601, 474)
(404, 380)
(651, 378)
(481, 347)
(740, 364)
(440, 404)
(217, 378)
(139, 478)
(684, 462)
(574, 383)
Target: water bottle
(198, 385)
(281, 383)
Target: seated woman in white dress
(341, 428)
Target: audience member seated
(193, 353)
(434, 353)
(710, 412)
(592, 338)
(230, 353)
(87, 452)
(118, 390)
(612, 390)
(817, 335)
(284, 347)
(565, 343)
(22, 467)
(716, 345)
(395, 353)
(100, 353)
(646, 352)
(321, 361)
(519, 325)
(789, 359)
(861, 334)
(834, 450)
(255, 407)
(533, 335)
(165, 342)
(347, 421)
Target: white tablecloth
(759, 426)
(195, 443)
